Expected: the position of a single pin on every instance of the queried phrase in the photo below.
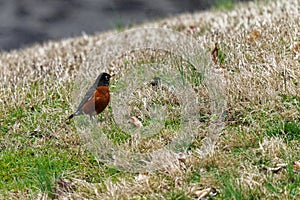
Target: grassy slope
(259, 57)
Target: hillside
(224, 120)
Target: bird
(96, 99)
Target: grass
(287, 130)
(225, 4)
(37, 147)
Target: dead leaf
(136, 122)
(181, 157)
(276, 169)
(297, 165)
(142, 177)
(215, 53)
(64, 186)
(16, 127)
(255, 34)
(205, 193)
(37, 129)
(296, 47)
(192, 27)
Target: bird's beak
(112, 76)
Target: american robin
(96, 99)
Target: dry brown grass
(259, 59)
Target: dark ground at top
(23, 22)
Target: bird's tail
(70, 117)
(73, 115)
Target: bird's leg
(94, 118)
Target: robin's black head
(103, 79)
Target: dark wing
(89, 94)
(86, 97)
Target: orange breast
(98, 102)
